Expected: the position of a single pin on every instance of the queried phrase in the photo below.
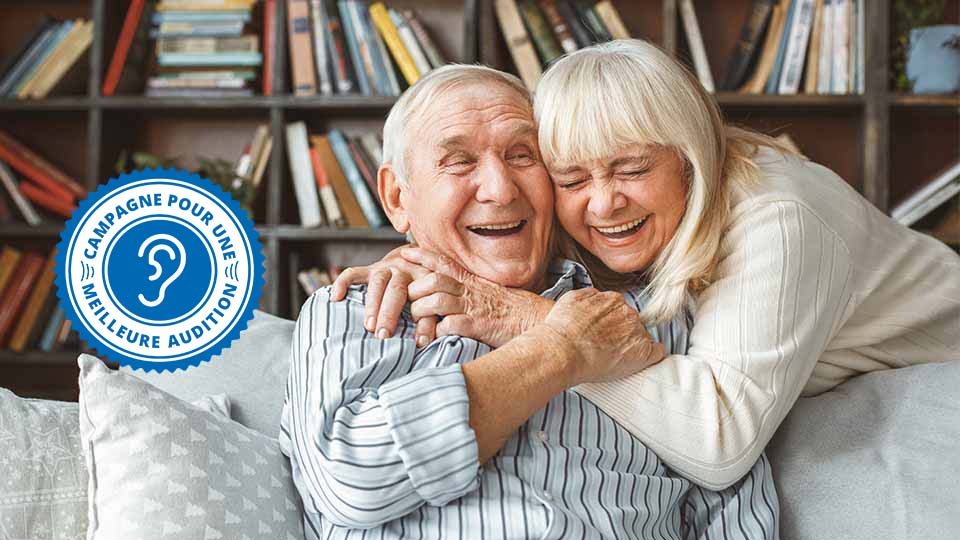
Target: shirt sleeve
(780, 292)
(373, 428)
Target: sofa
(878, 457)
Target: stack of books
(350, 46)
(30, 315)
(43, 185)
(935, 192)
(200, 48)
(44, 58)
(791, 47)
(335, 177)
(250, 167)
(539, 32)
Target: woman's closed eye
(632, 173)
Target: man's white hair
(415, 102)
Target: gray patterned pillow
(161, 468)
(43, 480)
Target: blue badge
(159, 269)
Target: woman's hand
(470, 305)
(607, 336)
(387, 282)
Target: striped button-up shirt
(379, 438)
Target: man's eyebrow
(523, 130)
(453, 141)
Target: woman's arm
(779, 295)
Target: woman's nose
(605, 200)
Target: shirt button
(542, 435)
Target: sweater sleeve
(780, 293)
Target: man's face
(477, 190)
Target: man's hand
(607, 336)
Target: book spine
(48, 339)
(195, 16)
(58, 46)
(518, 42)
(796, 47)
(381, 58)
(262, 161)
(70, 57)
(269, 45)
(542, 36)
(213, 29)
(360, 68)
(773, 81)
(560, 28)
(8, 263)
(130, 23)
(63, 332)
(367, 203)
(812, 69)
(689, 17)
(18, 54)
(23, 205)
(305, 187)
(825, 63)
(301, 50)
(33, 306)
(318, 18)
(611, 18)
(337, 48)
(746, 46)
(215, 59)
(593, 22)
(349, 207)
(208, 45)
(13, 78)
(372, 147)
(935, 200)
(45, 200)
(363, 163)
(37, 169)
(841, 52)
(861, 47)
(409, 40)
(327, 198)
(423, 38)
(391, 36)
(929, 188)
(577, 29)
(17, 291)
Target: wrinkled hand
(471, 306)
(607, 336)
(387, 282)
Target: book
(423, 38)
(208, 45)
(63, 333)
(130, 23)
(347, 201)
(337, 47)
(70, 53)
(580, 32)
(592, 21)
(366, 199)
(748, 44)
(12, 78)
(943, 195)
(410, 42)
(210, 59)
(37, 169)
(9, 258)
(328, 199)
(756, 83)
(797, 42)
(825, 62)
(841, 47)
(611, 19)
(773, 81)
(695, 39)
(205, 5)
(372, 147)
(559, 25)
(812, 70)
(238, 15)
(262, 160)
(318, 27)
(304, 185)
(540, 32)
(17, 290)
(391, 37)
(197, 29)
(940, 181)
(518, 42)
(23, 205)
(382, 65)
(18, 54)
(35, 302)
(301, 48)
(364, 164)
(67, 35)
(269, 45)
(49, 336)
(861, 48)
(359, 58)
(44, 199)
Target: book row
(30, 315)
(44, 58)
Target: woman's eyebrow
(630, 160)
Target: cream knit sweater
(814, 286)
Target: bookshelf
(884, 143)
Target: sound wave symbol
(231, 271)
(86, 271)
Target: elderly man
(453, 440)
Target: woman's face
(623, 208)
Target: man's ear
(388, 186)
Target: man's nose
(606, 199)
(496, 184)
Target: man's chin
(517, 274)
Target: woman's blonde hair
(594, 102)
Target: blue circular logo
(159, 269)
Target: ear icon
(181, 254)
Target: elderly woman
(795, 283)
